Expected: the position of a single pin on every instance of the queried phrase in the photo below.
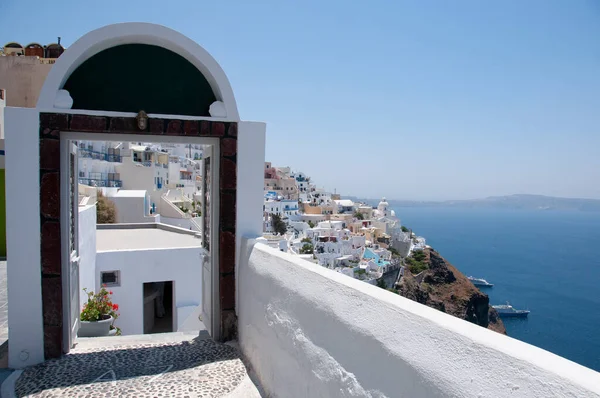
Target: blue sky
(407, 99)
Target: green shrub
(307, 249)
(106, 211)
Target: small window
(110, 278)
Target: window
(110, 278)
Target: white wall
(141, 266)
(250, 179)
(138, 177)
(130, 209)
(25, 328)
(306, 340)
(184, 223)
(87, 250)
(2, 106)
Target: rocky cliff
(444, 288)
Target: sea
(545, 261)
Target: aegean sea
(545, 261)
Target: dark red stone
(227, 252)
(52, 341)
(228, 147)
(218, 129)
(49, 154)
(227, 209)
(50, 195)
(157, 126)
(51, 258)
(228, 325)
(204, 128)
(88, 123)
(174, 127)
(228, 172)
(49, 133)
(54, 121)
(124, 125)
(190, 127)
(52, 300)
(232, 130)
(227, 290)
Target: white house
(129, 259)
(133, 206)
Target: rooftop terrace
(111, 237)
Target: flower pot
(96, 328)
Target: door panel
(207, 277)
(74, 244)
(71, 284)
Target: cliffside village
(355, 239)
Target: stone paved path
(196, 367)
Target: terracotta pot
(96, 328)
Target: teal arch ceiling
(134, 77)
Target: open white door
(70, 219)
(206, 258)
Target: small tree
(306, 240)
(381, 283)
(311, 224)
(404, 229)
(106, 211)
(278, 225)
(358, 215)
(307, 249)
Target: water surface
(544, 261)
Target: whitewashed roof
(344, 202)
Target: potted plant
(98, 315)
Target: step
(92, 343)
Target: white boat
(479, 282)
(507, 310)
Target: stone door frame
(51, 125)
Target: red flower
(116, 307)
(110, 292)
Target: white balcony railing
(312, 332)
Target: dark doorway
(158, 307)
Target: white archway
(137, 33)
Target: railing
(306, 340)
(93, 182)
(88, 153)
(147, 163)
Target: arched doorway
(55, 120)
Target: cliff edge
(443, 287)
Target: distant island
(521, 201)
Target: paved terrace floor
(142, 238)
(158, 365)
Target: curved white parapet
(312, 332)
(137, 33)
